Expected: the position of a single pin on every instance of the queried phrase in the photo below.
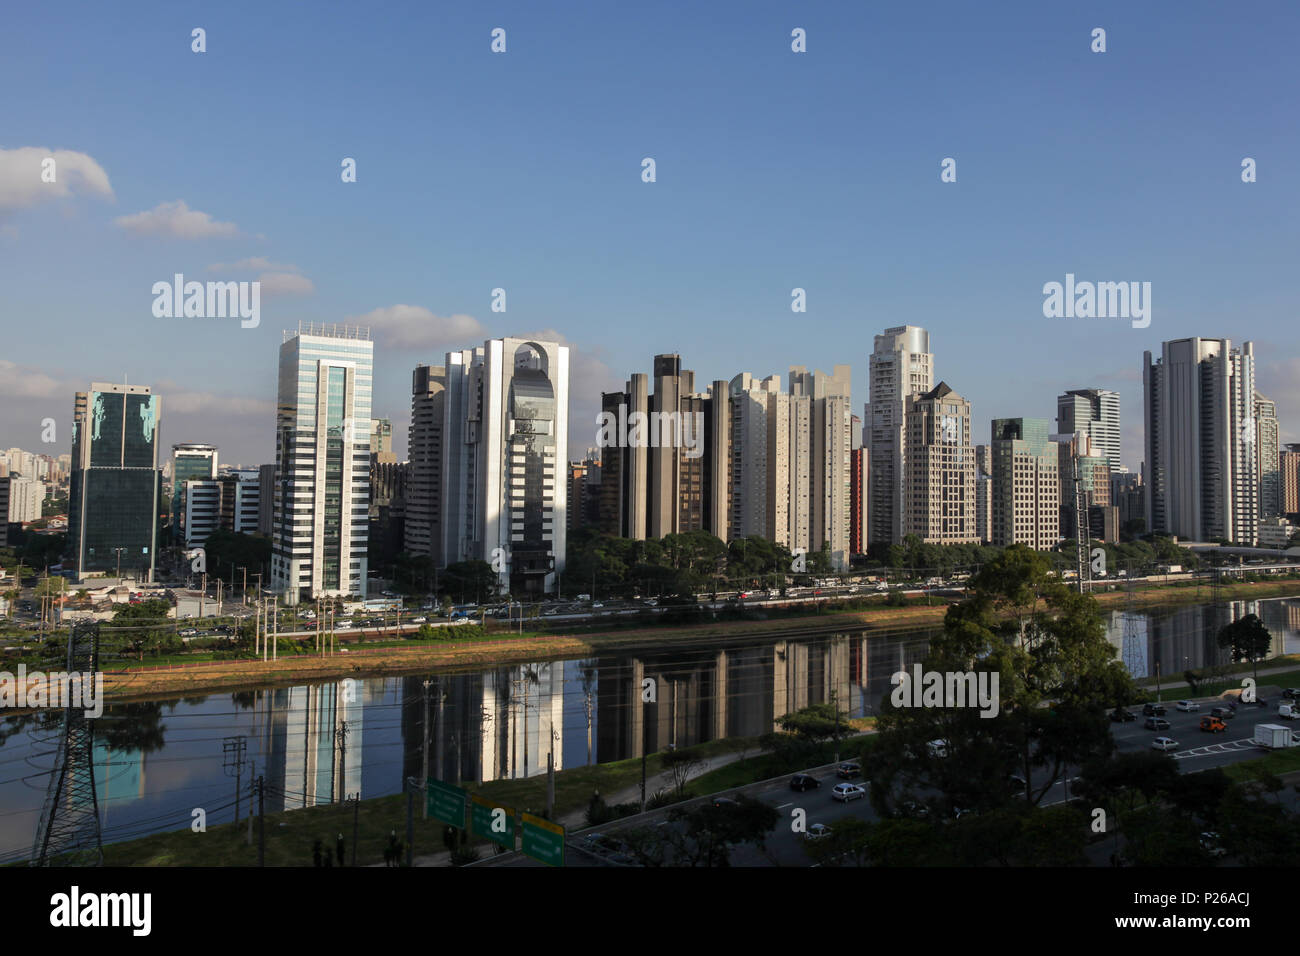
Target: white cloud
(21, 185)
(413, 326)
(1280, 381)
(175, 220)
(19, 381)
(285, 283)
(253, 264)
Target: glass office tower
(116, 487)
(322, 486)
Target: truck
(1273, 736)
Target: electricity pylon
(69, 834)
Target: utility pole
(233, 748)
(410, 821)
(253, 768)
(341, 737)
(425, 774)
(261, 822)
(356, 811)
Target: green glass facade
(116, 487)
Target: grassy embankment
(181, 677)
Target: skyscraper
(1026, 484)
(505, 447)
(983, 494)
(423, 531)
(901, 365)
(1289, 481)
(190, 461)
(1202, 479)
(939, 472)
(1270, 479)
(320, 526)
(830, 429)
(116, 487)
(1095, 412)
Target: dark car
(1291, 693)
(1152, 709)
(1223, 713)
(1156, 723)
(1120, 715)
(849, 770)
(725, 803)
(804, 781)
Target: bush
(896, 599)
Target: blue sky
(522, 171)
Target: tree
(813, 724)
(681, 766)
(1248, 639)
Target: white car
(1187, 706)
(1164, 744)
(845, 792)
(596, 605)
(818, 831)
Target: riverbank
(188, 679)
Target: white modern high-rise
(26, 497)
(790, 456)
(322, 487)
(505, 441)
(1202, 467)
(901, 365)
(1095, 412)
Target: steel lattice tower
(1134, 649)
(69, 834)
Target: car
(596, 605)
(804, 781)
(1210, 844)
(1164, 744)
(189, 632)
(818, 831)
(850, 770)
(725, 803)
(1152, 709)
(1213, 725)
(1120, 715)
(1187, 706)
(1015, 783)
(1156, 723)
(910, 808)
(845, 792)
(1223, 713)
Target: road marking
(1223, 747)
(784, 805)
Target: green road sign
(445, 802)
(492, 821)
(543, 840)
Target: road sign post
(543, 840)
(445, 803)
(492, 821)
